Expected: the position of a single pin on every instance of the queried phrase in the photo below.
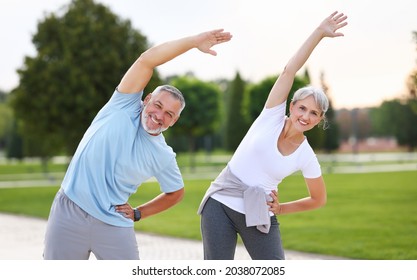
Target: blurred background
(62, 59)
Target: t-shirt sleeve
(311, 169)
(131, 102)
(170, 178)
(276, 112)
(269, 117)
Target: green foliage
(399, 119)
(236, 121)
(315, 137)
(201, 115)
(14, 143)
(6, 117)
(257, 94)
(3, 96)
(331, 135)
(10, 139)
(81, 57)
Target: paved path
(21, 238)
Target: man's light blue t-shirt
(115, 156)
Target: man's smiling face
(160, 112)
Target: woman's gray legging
(220, 226)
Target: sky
(368, 65)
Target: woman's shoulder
(278, 111)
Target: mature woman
(243, 199)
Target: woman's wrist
(280, 210)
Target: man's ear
(174, 121)
(147, 98)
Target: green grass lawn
(30, 168)
(368, 216)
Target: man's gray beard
(143, 119)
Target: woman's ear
(291, 105)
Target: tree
(3, 96)
(201, 115)
(396, 117)
(331, 135)
(257, 94)
(10, 139)
(412, 84)
(81, 56)
(236, 120)
(219, 138)
(14, 145)
(6, 118)
(399, 117)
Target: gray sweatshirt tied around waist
(254, 199)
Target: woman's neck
(290, 134)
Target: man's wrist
(136, 214)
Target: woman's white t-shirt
(258, 162)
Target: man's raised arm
(139, 74)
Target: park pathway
(21, 238)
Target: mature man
(122, 148)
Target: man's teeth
(154, 120)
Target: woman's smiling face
(305, 114)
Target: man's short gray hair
(173, 91)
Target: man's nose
(158, 115)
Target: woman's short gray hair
(176, 93)
(319, 96)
